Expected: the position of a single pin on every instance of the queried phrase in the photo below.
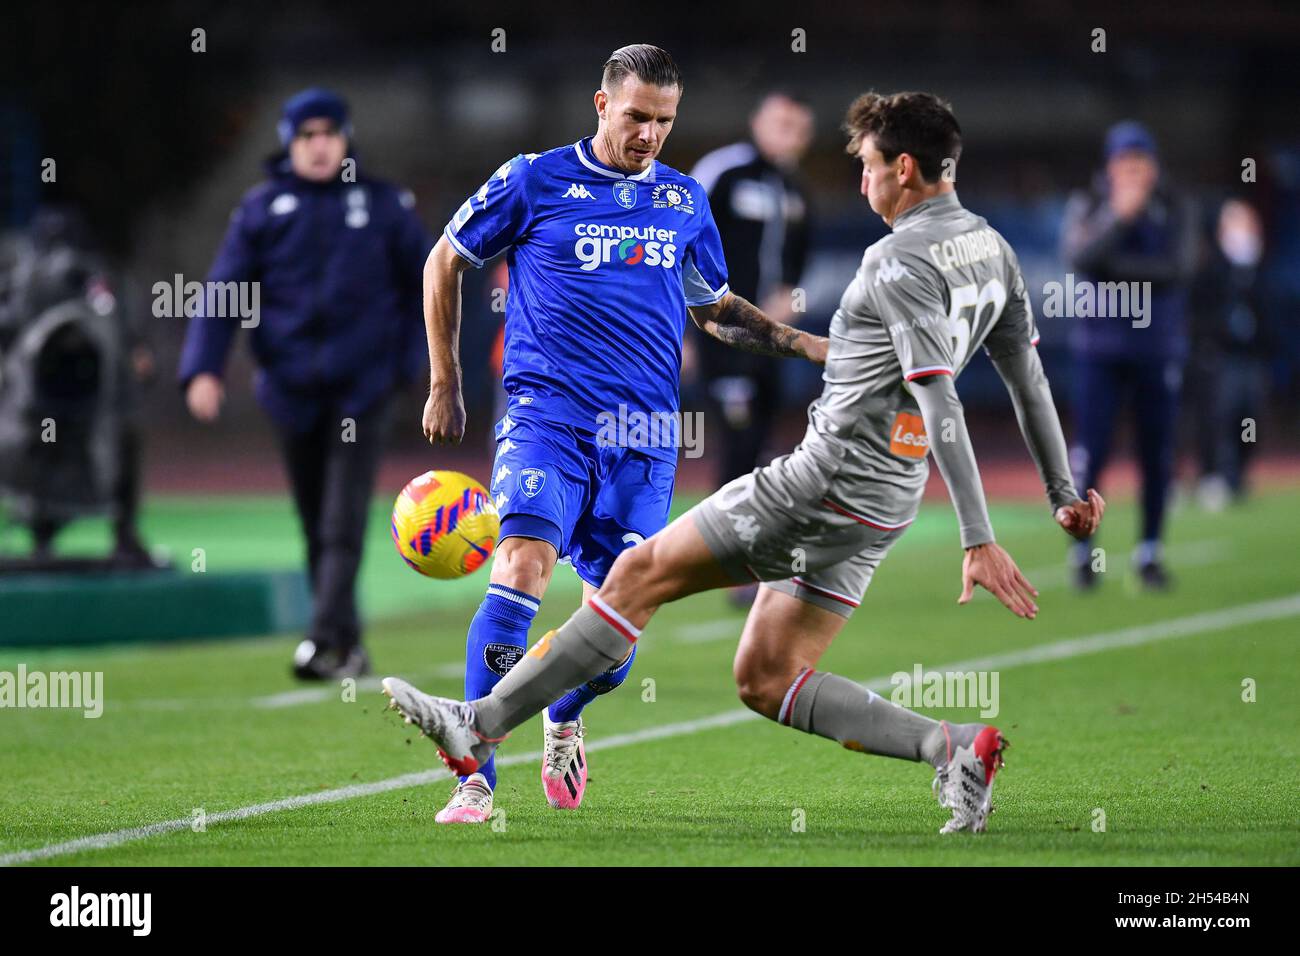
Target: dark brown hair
(919, 124)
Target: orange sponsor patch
(542, 647)
(907, 436)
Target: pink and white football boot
(471, 802)
(564, 762)
(448, 723)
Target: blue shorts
(552, 481)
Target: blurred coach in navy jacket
(1131, 228)
(338, 258)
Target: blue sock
(571, 704)
(496, 640)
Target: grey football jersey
(940, 285)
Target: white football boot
(964, 783)
(448, 723)
(471, 802)
(564, 762)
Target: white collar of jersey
(595, 167)
(933, 204)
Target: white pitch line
(278, 701)
(305, 695)
(690, 634)
(1190, 554)
(1202, 623)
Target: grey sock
(587, 645)
(862, 720)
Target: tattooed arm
(742, 325)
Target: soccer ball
(445, 524)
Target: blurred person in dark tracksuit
(1232, 343)
(762, 215)
(339, 258)
(1131, 227)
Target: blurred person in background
(1131, 227)
(1232, 343)
(339, 258)
(762, 215)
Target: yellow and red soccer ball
(445, 524)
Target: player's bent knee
(760, 696)
(524, 564)
(760, 689)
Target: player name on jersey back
(966, 248)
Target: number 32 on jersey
(973, 308)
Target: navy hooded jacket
(1159, 246)
(340, 269)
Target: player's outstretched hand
(989, 566)
(444, 416)
(1082, 518)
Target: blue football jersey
(602, 267)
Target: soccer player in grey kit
(925, 297)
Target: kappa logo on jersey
(578, 191)
(531, 481)
(890, 270)
(625, 193)
(673, 196)
(746, 526)
(632, 245)
(502, 472)
(502, 173)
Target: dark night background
(156, 143)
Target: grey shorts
(776, 525)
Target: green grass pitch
(1145, 726)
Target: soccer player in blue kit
(608, 250)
